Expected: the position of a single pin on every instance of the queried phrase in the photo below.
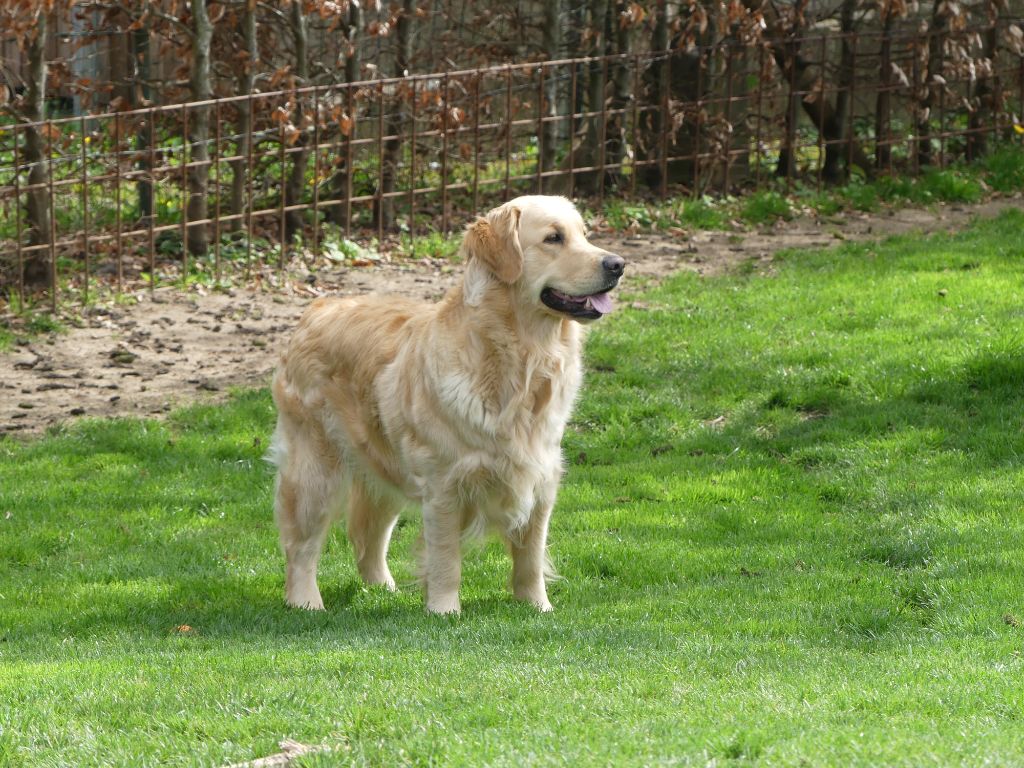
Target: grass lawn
(792, 533)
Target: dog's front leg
(442, 531)
(529, 559)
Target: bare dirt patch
(173, 348)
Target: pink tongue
(602, 302)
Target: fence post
(379, 194)
(540, 130)
(282, 222)
(572, 131)
(508, 128)
(883, 102)
(792, 113)
(217, 190)
(444, 159)
(758, 143)
(249, 197)
(186, 144)
(117, 202)
(603, 142)
(634, 127)
(412, 169)
(349, 159)
(698, 123)
(85, 213)
(17, 223)
(822, 96)
(942, 104)
(727, 113)
(316, 170)
(151, 212)
(476, 141)
(851, 107)
(667, 123)
(916, 95)
(53, 218)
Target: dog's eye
(554, 238)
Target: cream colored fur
(458, 407)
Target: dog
(458, 407)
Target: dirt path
(173, 348)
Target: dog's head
(538, 245)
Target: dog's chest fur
(481, 425)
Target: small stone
(123, 356)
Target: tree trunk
(554, 94)
(675, 85)
(652, 122)
(736, 142)
(198, 238)
(588, 149)
(833, 170)
(142, 97)
(337, 185)
(247, 82)
(986, 97)
(37, 266)
(615, 136)
(688, 86)
(293, 191)
(803, 77)
(385, 213)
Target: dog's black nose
(613, 265)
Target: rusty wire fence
(247, 185)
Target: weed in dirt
(765, 208)
(1004, 169)
(432, 245)
(860, 197)
(702, 213)
(28, 325)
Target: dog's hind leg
(305, 506)
(371, 518)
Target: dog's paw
(446, 607)
(383, 581)
(540, 602)
(306, 603)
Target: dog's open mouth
(588, 307)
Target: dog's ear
(494, 240)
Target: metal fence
(252, 182)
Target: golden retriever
(458, 406)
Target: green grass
(790, 534)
